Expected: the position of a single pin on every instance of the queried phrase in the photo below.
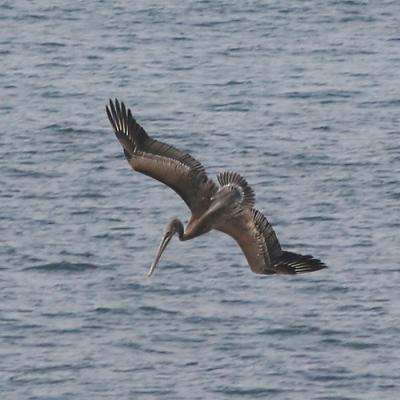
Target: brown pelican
(228, 208)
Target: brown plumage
(228, 208)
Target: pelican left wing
(178, 170)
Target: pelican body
(228, 208)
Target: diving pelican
(228, 208)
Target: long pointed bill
(163, 244)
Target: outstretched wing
(255, 235)
(261, 247)
(178, 170)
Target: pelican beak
(163, 244)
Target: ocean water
(302, 98)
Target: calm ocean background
(302, 98)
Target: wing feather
(258, 241)
(161, 161)
(247, 228)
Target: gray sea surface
(302, 98)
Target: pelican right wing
(261, 247)
(178, 170)
(254, 233)
(255, 237)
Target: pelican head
(174, 226)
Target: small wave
(62, 266)
(157, 310)
(111, 310)
(52, 44)
(65, 129)
(359, 345)
(255, 392)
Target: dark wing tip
(111, 119)
(113, 116)
(130, 134)
(120, 121)
(312, 265)
(292, 263)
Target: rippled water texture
(302, 98)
